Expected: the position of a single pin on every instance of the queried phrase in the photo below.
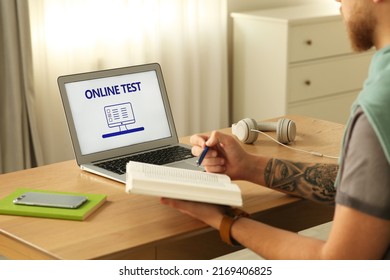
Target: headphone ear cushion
(286, 131)
(242, 130)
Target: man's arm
(312, 181)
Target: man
(360, 186)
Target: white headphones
(247, 130)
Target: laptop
(119, 115)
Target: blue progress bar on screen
(108, 135)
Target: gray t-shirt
(364, 178)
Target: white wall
(240, 5)
(244, 5)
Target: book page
(164, 181)
(177, 174)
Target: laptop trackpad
(186, 165)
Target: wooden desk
(139, 227)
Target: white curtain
(19, 140)
(187, 37)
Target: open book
(164, 181)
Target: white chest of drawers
(295, 60)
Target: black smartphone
(50, 200)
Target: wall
(240, 5)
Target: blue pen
(202, 155)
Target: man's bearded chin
(361, 29)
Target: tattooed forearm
(310, 181)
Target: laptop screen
(117, 111)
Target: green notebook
(7, 206)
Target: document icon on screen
(118, 115)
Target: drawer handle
(308, 82)
(309, 42)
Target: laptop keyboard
(158, 157)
